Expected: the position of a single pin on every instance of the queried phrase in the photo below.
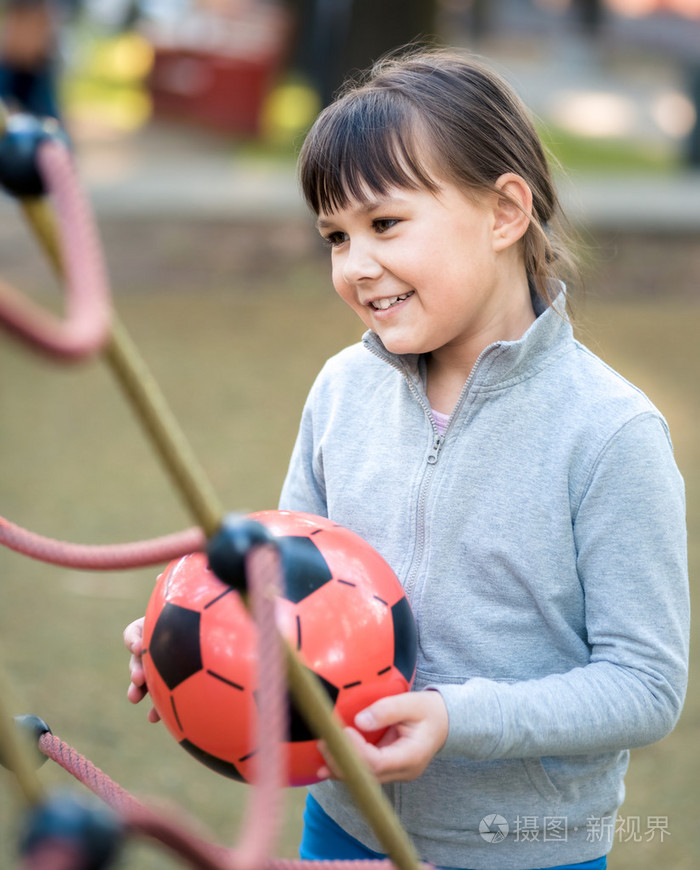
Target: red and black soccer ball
(343, 610)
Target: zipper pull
(437, 444)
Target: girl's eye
(335, 239)
(382, 225)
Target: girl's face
(430, 273)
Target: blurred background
(617, 81)
(185, 118)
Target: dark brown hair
(455, 111)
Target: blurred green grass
(609, 155)
(235, 365)
(606, 155)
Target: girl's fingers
(136, 671)
(133, 636)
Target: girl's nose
(360, 263)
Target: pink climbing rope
(53, 855)
(261, 825)
(85, 328)
(108, 557)
(177, 834)
(89, 774)
(137, 816)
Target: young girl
(525, 494)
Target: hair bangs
(362, 145)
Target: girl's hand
(417, 725)
(133, 640)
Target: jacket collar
(502, 362)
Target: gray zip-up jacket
(542, 545)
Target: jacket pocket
(540, 780)
(453, 796)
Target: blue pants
(324, 840)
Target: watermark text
(494, 828)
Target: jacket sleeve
(630, 535)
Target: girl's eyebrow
(365, 208)
(323, 224)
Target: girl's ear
(512, 210)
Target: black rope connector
(229, 546)
(90, 830)
(29, 728)
(19, 146)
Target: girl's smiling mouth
(389, 301)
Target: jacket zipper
(431, 459)
(438, 441)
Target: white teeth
(383, 304)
